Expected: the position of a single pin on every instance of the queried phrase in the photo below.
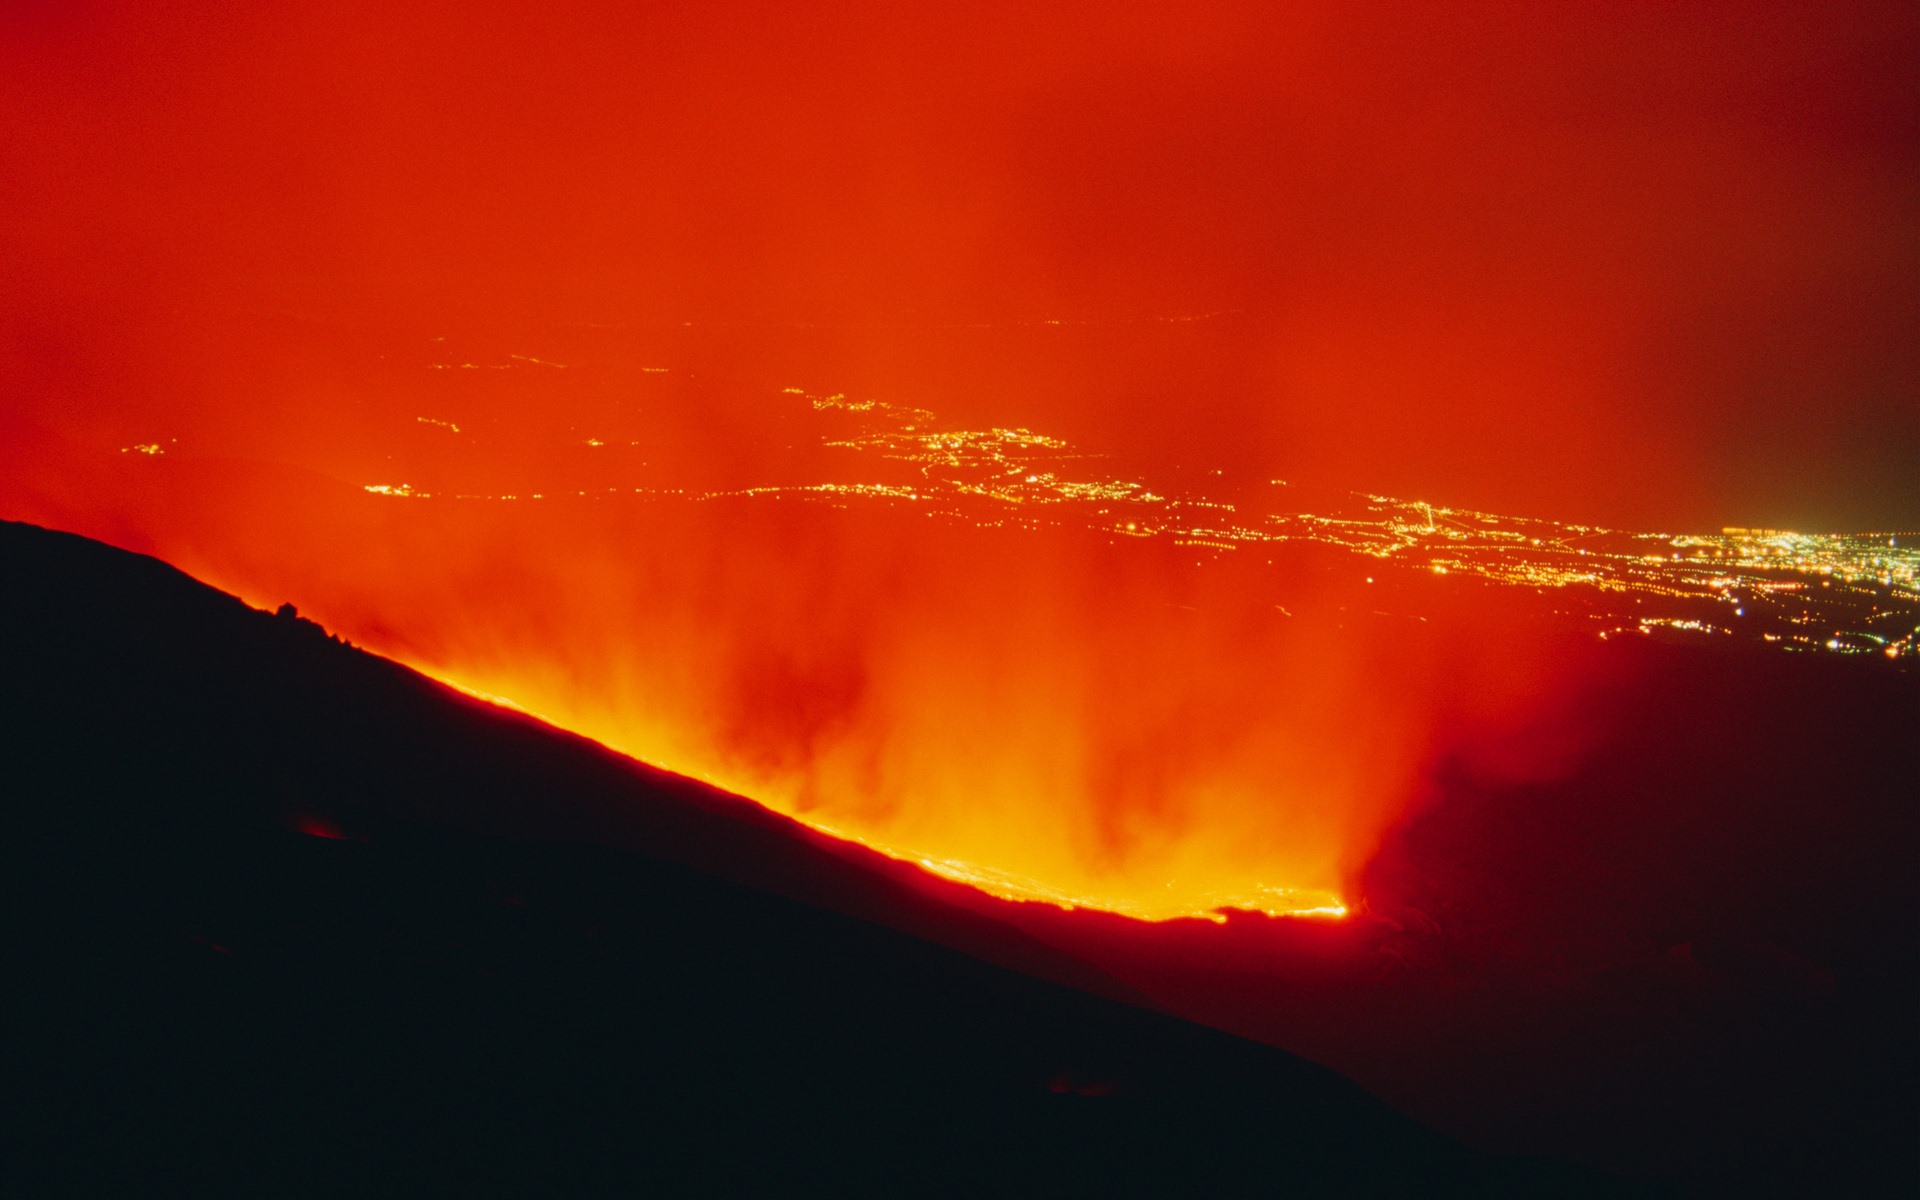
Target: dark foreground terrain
(285, 919)
(1667, 927)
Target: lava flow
(1036, 670)
(982, 651)
(907, 418)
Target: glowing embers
(1204, 900)
(1202, 903)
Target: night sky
(1641, 264)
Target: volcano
(990, 599)
(287, 918)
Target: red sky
(1645, 264)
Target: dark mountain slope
(281, 918)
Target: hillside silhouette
(283, 918)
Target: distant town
(1847, 593)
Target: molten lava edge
(1272, 901)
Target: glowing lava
(1210, 905)
(977, 649)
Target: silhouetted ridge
(285, 918)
